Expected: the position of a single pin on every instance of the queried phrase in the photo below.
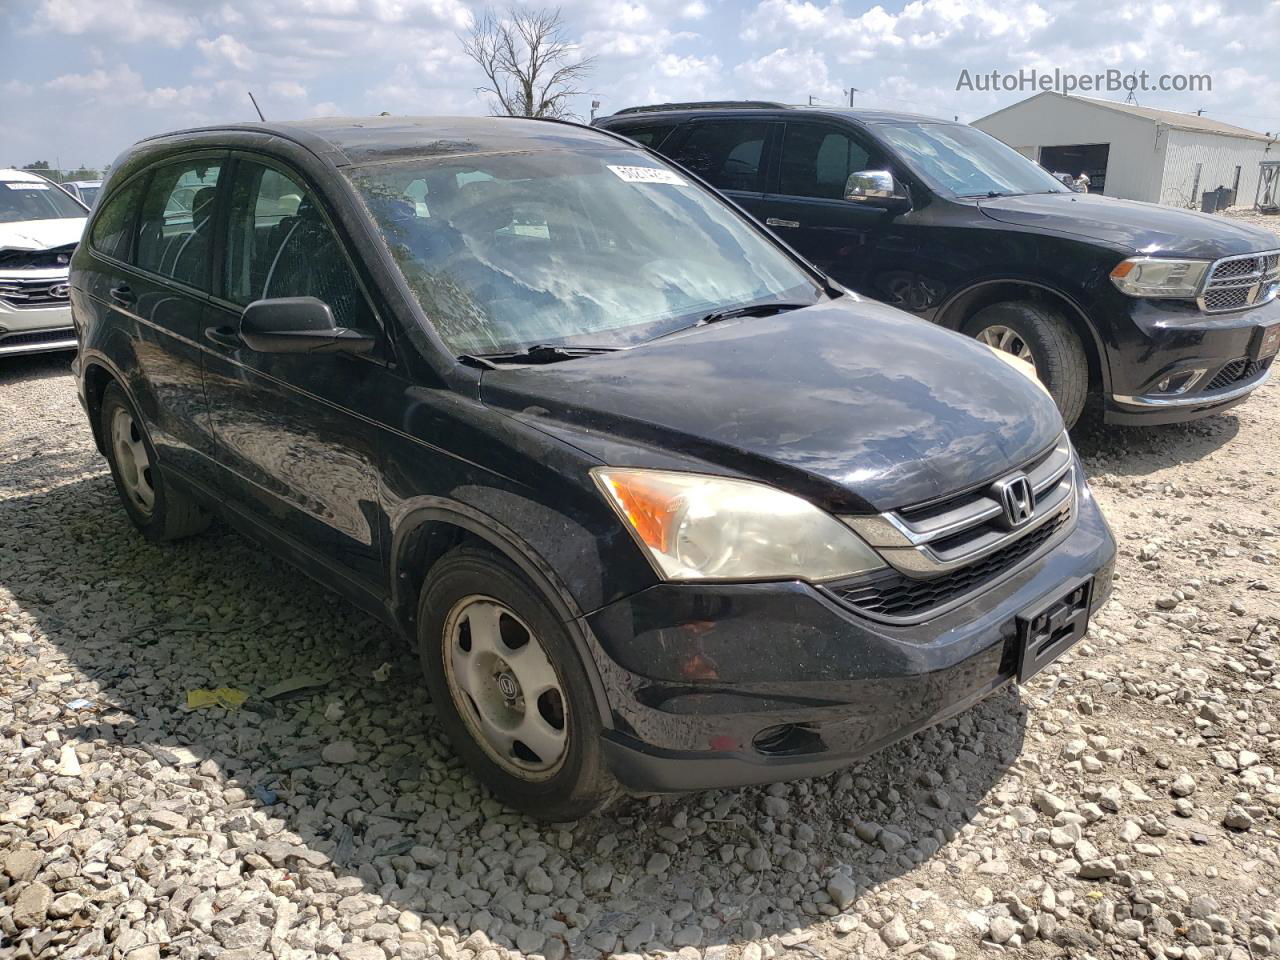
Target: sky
(82, 79)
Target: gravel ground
(1125, 802)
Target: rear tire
(1021, 327)
(156, 507)
(510, 688)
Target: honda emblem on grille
(60, 291)
(1017, 499)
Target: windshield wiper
(989, 195)
(730, 313)
(538, 353)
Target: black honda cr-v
(1161, 314)
(659, 506)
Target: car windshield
(602, 247)
(35, 200)
(965, 162)
(89, 195)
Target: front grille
(1237, 371)
(1235, 283)
(49, 259)
(894, 596)
(39, 336)
(952, 532)
(32, 294)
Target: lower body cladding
(732, 684)
(34, 329)
(1185, 364)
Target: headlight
(695, 527)
(1024, 368)
(1156, 277)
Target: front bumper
(726, 685)
(35, 329)
(1171, 340)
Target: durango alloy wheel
(1003, 338)
(509, 686)
(1040, 335)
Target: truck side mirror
(876, 188)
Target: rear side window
(281, 246)
(175, 233)
(113, 228)
(648, 135)
(727, 153)
(817, 161)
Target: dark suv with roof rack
(1161, 314)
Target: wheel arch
(430, 527)
(963, 304)
(97, 374)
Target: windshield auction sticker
(648, 175)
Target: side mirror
(298, 325)
(875, 188)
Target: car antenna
(255, 106)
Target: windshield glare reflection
(594, 248)
(965, 162)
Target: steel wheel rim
(133, 462)
(1009, 340)
(505, 688)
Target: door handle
(775, 222)
(122, 295)
(224, 337)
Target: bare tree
(528, 62)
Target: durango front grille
(1235, 283)
(1238, 371)
(34, 294)
(895, 596)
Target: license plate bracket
(1266, 342)
(1047, 630)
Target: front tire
(1043, 337)
(157, 508)
(510, 688)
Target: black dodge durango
(659, 506)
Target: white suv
(40, 226)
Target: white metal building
(1134, 152)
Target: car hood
(1140, 227)
(40, 234)
(853, 404)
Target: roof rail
(705, 105)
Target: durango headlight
(696, 527)
(1158, 277)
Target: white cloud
(226, 49)
(288, 89)
(131, 20)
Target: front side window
(112, 229)
(175, 232)
(817, 161)
(279, 245)
(601, 248)
(726, 153)
(965, 162)
(23, 200)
